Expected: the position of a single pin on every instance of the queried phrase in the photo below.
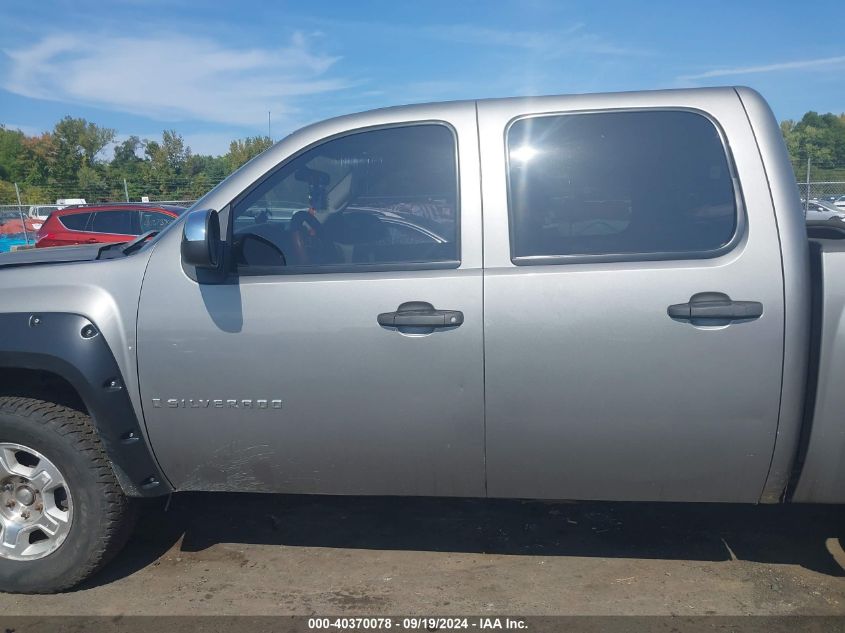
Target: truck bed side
(822, 456)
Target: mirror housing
(201, 239)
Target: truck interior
(343, 203)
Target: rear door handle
(420, 314)
(715, 308)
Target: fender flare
(72, 347)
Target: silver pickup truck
(574, 297)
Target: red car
(104, 223)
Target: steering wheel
(304, 224)
(259, 251)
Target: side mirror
(201, 239)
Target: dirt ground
(268, 555)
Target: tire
(94, 516)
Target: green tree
(166, 170)
(38, 159)
(81, 139)
(126, 153)
(78, 142)
(241, 151)
(7, 193)
(35, 194)
(821, 138)
(126, 165)
(11, 154)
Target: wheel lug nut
(39, 507)
(25, 514)
(10, 503)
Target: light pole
(20, 213)
(807, 195)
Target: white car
(840, 202)
(818, 210)
(39, 213)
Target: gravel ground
(264, 554)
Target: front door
(344, 353)
(633, 300)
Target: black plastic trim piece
(59, 345)
(250, 271)
(817, 300)
(715, 306)
(830, 229)
(420, 314)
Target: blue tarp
(14, 239)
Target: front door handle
(420, 314)
(715, 308)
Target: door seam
(761, 498)
(483, 303)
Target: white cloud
(822, 63)
(173, 77)
(557, 43)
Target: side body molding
(71, 346)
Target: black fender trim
(72, 347)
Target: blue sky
(211, 70)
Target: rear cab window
(619, 186)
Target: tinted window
(114, 222)
(382, 197)
(154, 221)
(76, 221)
(621, 183)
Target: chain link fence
(822, 190)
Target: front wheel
(63, 514)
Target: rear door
(63, 229)
(114, 223)
(633, 299)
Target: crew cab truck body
(577, 297)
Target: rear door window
(118, 222)
(620, 185)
